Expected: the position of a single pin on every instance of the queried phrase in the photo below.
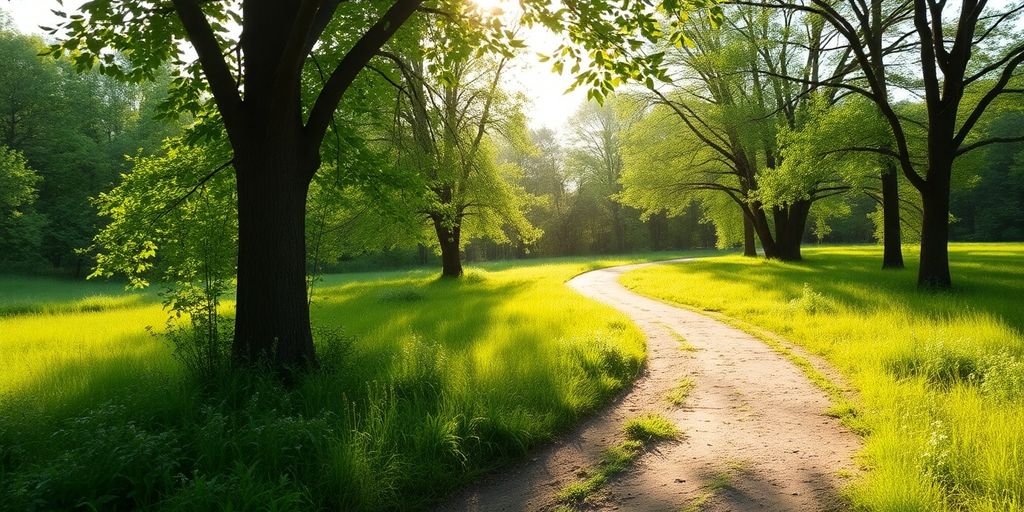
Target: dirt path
(755, 434)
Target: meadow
(424, 385)
(939, 376)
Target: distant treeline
(72, 132)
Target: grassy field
(940, 375)
(432, 383)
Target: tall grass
(940, 375)
(21, 295)
(430, 383)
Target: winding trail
(755, 436)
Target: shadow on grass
(442, 381)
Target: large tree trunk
(749, 247)
(764, 232)
(790, 224)
(934, 270)
(272, 313)
(448, 239)
(892, 244)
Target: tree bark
(272, 313)
(892, 243)
(749, 247)
(448, 239)
(892, 248)
(656, 228)
(764, 233)
(618, 227)
(790, 223)
(934, 269)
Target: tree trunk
(656, 228)
(892, 249)
(934, 270)
(448, 238)
(749, 247)
(272, 313)
(764, 232)
(619, 227)
(790, 224)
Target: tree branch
(218, 74)
(986, 142)
(320, 21)
(986, 100)
(353, 62)
(177, 202)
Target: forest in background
(68, 138)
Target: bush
(203, 347)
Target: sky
(550, 107)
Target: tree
(969, 56)
(18, 191)
(255, 82)
(448, 125)
(595, 159)
(74, 130)
(544, 176)
(170, 223)
(17, 183)
(992, 207)
(668, 168)
(730, 105)
(829, 148)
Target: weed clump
(649, 428)
(811, 301)
(603, 357)
(681, 392)
(202, 346)
(640, 432)
(614, 460)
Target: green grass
(641, 432)
(684, 345)
(432, 383)
(940, 376)
(649, 428)
(22, 295)
(678, 395)
(721, 481)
